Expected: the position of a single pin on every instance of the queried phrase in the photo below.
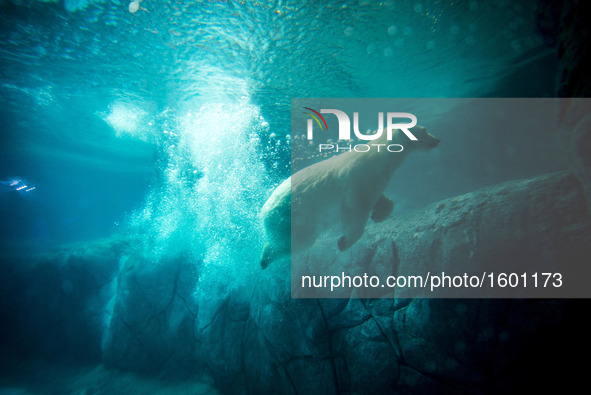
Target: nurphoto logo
(345, 130)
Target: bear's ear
(425, 139)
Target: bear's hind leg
(382, 209)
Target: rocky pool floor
(39, 377)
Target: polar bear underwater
(346, 188)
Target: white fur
(342, 189)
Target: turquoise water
(109, 113)
(171, 125)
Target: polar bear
(346, 188)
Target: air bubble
(470, 40)
(407, 31)
(392, 30)
(349, 31)
(134, 6)
(430, 44)
(388, 52)
(399, 43)
(454, 29)
(418, 8)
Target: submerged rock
(532, 225)
(260, 340)
(452, 345)
(565, 26)
(56, 304)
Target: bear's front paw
(342, 243)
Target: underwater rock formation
(536, 224)
(431, 345)
(565, 26)
(261, 340)
(55, 304)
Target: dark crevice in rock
(243, 344)
(290, 380)
(336, 329)
(377, 322)
(395, 258)
(450, 386)
(269, 344)
(401, 303)
(367, 257)
(166, 308)
(399, 352)
(217, 313)
(330, 342)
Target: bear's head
(424, 142)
